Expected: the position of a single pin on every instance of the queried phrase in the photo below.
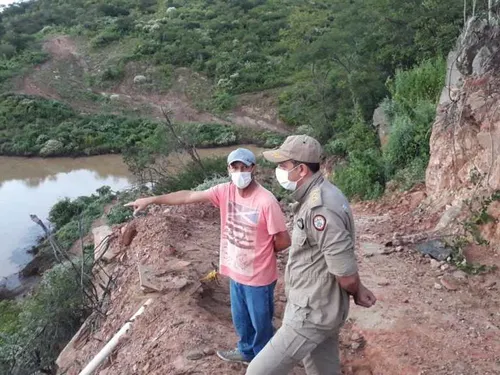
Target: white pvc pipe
(108, 348)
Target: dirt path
(418, 327)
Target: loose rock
(170, 250)
(356, 337)
(491, 284)
(435, 264)
(140, 79)
(438, 286)
(355, 345)
(459, 275)
(194, 355)
(128, 234)
(436, 249)
(386, 251)
(208, 351)
(449, 283)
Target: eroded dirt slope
(430, 318)
(66, 77)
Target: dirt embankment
(429, 319)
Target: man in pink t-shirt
(252, 230)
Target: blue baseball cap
(241, 154)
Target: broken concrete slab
(147, 280)
(103, 278)
(173, 266)
(67, 356)
(436, 249)
(177, 283)
(102, 236)
(370, 249)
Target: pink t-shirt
(248, 226)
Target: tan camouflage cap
(296, 147)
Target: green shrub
(64, 211)
(411, 111)
(411, 175)
(268, 139)
(363, 176)
(52, 147)
(223, 101)
(9, 318)
(336, 147)
(113, 73)
(192, 175)
(209, 135)
(214, 180)
(118, 213)
(49, 319)
(305, 129)
(424, 82)
(409, 137)
(104, 38)
(26, 121)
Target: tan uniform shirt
(322, 247)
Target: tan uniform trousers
(318, 350)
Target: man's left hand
(364, 297)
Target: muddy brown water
(34, 185)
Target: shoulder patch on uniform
(319, 222)
(315, 197)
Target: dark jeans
(252, 308)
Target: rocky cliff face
(465, 140)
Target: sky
(5, 2)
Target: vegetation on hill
(329, 60)
(330, 64)
(32, 126)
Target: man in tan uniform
(321, 272)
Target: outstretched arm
(172, 199)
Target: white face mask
(241, 179)
(282, 177)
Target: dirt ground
(430, 319)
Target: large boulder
(52, 147)
(140, 79)
(382, 124)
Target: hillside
(282, 65)
(404, 127)
(62, 78)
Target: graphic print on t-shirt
(238, 251)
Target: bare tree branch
(183, 144)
